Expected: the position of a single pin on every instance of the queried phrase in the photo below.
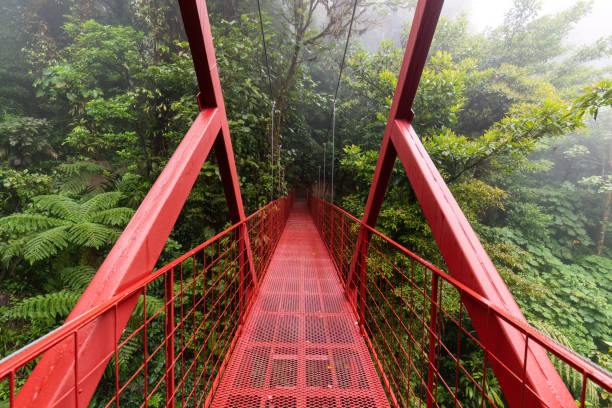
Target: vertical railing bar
(422, 347)
(342, 268)
(584, 387)
(362, 293)
(116, 347)
(486, 345)
(182, 341)
(195, 348)
(240, 280)
(410, 363)
(12, 389)
(261, 246)
(146, 379)
(76, 368)
(169, 292)
(439, 328)
(458, 350)
(524, 369)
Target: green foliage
(571, 377)
(24, 141)
(17, 187)
(45, 307)
(59, 222)
(594, 98)
(83, 176)
(95, 98)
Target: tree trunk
(285, 87)
(604, 222)
(608, 206)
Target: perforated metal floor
(301, 345)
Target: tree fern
(113, 216)
(91, 235)
(77, 277)
(59, 205)
(99, 202)
(62, 222)
(48, 307)
(24, 223)
(12, 249)
(47, 244)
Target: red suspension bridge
(299, 304)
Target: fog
(486, 14)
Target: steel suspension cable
(265, 49)
(333, 115)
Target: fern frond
(91, 235)
(25, 223)
(125, 353)
(45, 307)
(114, 216)
(80, 183)
(571, 377)
(81, 167)
(11, 249)
(101, 202)
(59, 205)
(77, 277)
(46, 244)
(153, 305)
(83, 176)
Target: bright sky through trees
(490, 13)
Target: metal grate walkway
(301, 345)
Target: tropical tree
(595, 98)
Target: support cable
(333, 150)
(265, 49)
(333, 115)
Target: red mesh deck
(301, 345)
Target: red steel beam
(462, 251)
(68, 374)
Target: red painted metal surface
(459, 245)
(188, 318)
(136, 252)
(419, 327)
(301, 345)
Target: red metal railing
(178, 340)
(415, 321)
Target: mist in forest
(514, 107)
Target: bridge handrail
(274, 214)
(333, 223)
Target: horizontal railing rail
(415, 321)
(188, 317)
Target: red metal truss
(464, 255)
(138, 248)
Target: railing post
(169, 343)
(342, 249)
(362, 284)
(433, 314)
(322, 212)
(331, 231)
(241, 246)
(261, 242)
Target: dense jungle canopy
(95, 95)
